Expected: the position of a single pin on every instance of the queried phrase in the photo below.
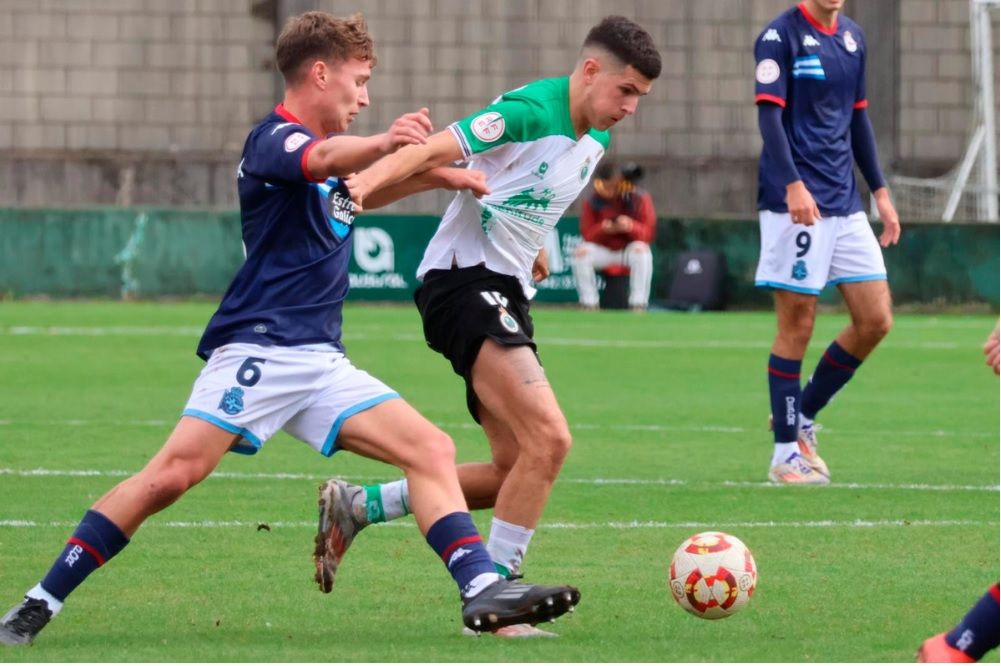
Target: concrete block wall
(129, 101)
(936, 89)
(146, 101)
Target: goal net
(968, 191)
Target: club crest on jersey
(232, 401)
(507, 321)
(488, 127)
(294, 141)
(850, 42)
(799, 271)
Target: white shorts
(807, 259)
(254, 391)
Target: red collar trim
(817, 24)
(286, 114)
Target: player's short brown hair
(320, 36)
(627, 41)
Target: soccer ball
(712, 575)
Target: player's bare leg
(871, 318)
(481, 481)
(796, 314)
(512, 385)
(191, 452)
(871, 310)
(395, 433)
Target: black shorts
(462, 307)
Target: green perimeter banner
(388, 249)
(150, 253)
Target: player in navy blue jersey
(273, 348)
(810, 92)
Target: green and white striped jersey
(535, 167)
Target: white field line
(466, 425)
(194, 332)
(295, 476)
(628, 525)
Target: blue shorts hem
(788, 287)
(875, 277)
(330, 444)
(240, 447)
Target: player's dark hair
(320, 36)
(627, 41)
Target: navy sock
(833, 371)
(95, 541)
(977, 634)
(459, 545)
(783, 386)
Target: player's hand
(992, 352)
(408, 129)
(802, 207)
(888, 216)
(452, 178)
(608, 226)
(540, 269)
(358, 189)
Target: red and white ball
(713, 575)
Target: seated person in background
(618, 224)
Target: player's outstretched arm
(440, 149)
(443, 178)
(339, 156)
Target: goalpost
(969, 191)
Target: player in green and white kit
(537, 147)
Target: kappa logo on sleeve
(488, 127)
(293, 142)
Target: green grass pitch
(669, 415)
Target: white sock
(508, 544)
(782, 452)
(804, 423)
(385, 501)
(395, 499)
(480, 583)
(39, 592)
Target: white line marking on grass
(297, 476)
(612, 343)
(636, 427)
(614, 427)
(613, 525)
(101, 331)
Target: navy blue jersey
(297, 235)
(817, 76)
